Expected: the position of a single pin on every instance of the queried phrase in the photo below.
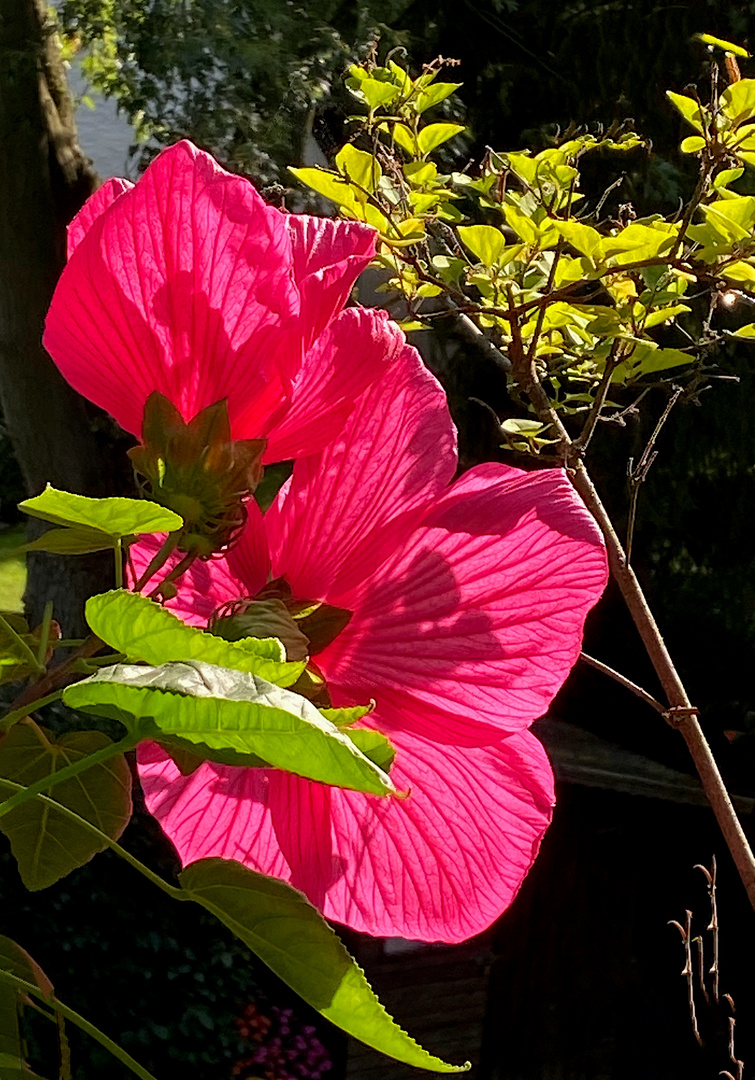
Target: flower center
(305, 628)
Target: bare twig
(611, 187)
(613, 359)
(624, 681)
(710, 878)
(637, 476)
(687, 973)
(701, 967)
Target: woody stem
(681, 715)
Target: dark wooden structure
(580, 979)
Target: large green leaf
(116, 517)
(73, 541)
(144, 630)
(45, 844)
(16, 961)
(230, 716)
(281, 927)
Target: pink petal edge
(440, 865)
(471, 627)
(184, 286)
(345, 510)
(329, 381)
(96, 204)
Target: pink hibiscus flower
(468, 605)
(190, 284)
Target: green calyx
(198, 471)
(305, 628)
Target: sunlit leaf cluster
(577, 297)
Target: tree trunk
(44, 179)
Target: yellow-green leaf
(693, 144)
(664, 315)
(722, 43)
(434, 135)
(375, 92)
(143, 630)
(690, 109)
(582, 237)
(523, 226)
(330, 185)
(648, 359)
(743, 273)
(434, 94)
(359, 166)
(403, 136)
(738, 101)
(639, 242)
(733, 219)
(484, 241)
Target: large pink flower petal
(350, 354)
(184, 286)
(97, 204)
(345, 509)
(208, 584)
(440, 865)
(473, 624)
(329, 255)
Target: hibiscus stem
(111, 750)
(58, 676)
(12, 718)
(624, 681)
(179, 569)
(60, 1009)
(680, 712)
(169, 546)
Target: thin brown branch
(624, 681)
(680, 714)
(613, 359)
(637, 476)
(687, 972)
(688, 725)
(548, 287)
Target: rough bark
(44, 179)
